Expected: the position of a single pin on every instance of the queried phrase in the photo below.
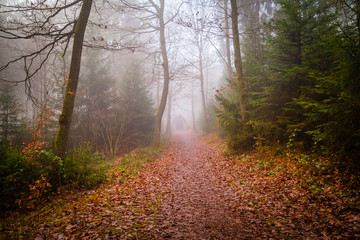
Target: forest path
(197, 203)
(192, 191)
(181, 195)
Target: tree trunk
(165, 64)
(238, 64)
(203, 100)
(7, 113)
(227, 40)
(168, 119)
(193, 107)
(71, 86)
(357, 13)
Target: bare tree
(36, 20)
(39, 22)
(165, 64)
(153, 20)
(200, 20)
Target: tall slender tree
(238, 62)
(165, 64)
(227, 40)
(65, 117)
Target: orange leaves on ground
(264, 194)
(292, 202)
(31, 200)
(119, 209)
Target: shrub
(25, 176)
(240, 134)
(83, 168)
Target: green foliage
(240, 135)
(128, 122)
(21, 170)
(83, 168)
(28, 176)
(11, 169)
(114, 117)
(9, 113)
(296, 31)
(93, 100)
(135, 98)
(317, 76)
(303, 80)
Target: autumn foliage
(195, 189)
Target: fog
(121, 47)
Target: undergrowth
(318, 175)
(29, 175)
(83, 170)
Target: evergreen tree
(295, 31)
(9, 113)
(307, 87)
(135, 98)
(93, 97)
(129, 120)
(332, 104)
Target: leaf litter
(193, 191)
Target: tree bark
(168, 119)
(72, 82)
(357, 13)
(227, 40)
(193, 107)
(165, 65)
(238, 63)
(203, 100)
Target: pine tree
(135, 98)
(93, 97)
(332, 104)
(296, 29)
(128, 121)
(9, 113)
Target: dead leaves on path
(164, 200)
(282, 202)
(123, 209)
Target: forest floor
(193, 191)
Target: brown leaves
(292, 205)
(193, 191)
(116, 210)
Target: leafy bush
(22, 171)
(27, 175)
(240, 134)
(83, 168)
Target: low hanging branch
(40, 23)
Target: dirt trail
(197, 204)
(193, 192)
